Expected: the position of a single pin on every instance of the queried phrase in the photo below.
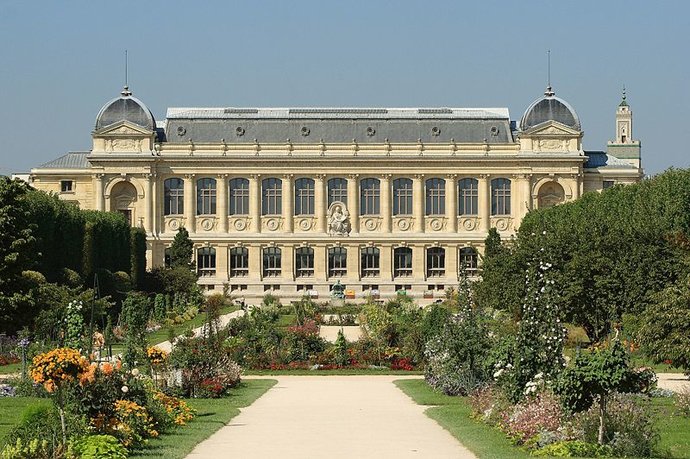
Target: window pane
(271, 196)
(370, 196)
(402, 196)
(369, 261)
(402, 262)
(337, 190)
(173, 190)
(500, 196)
(337, 262)
(271, 262)
(304, 262)
(468, 261)
(468, 196)
(304, 196)
(239, 262)
(239, 196)
(435, 262)
(435, 196)
(206, 196)
(206, 262)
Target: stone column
(320, 203)
(157, 200)
(288, 203)
(418, 202)
(386, 262)
(190, 202)
(484, 201)
(320, 264)
(222, 202)
(287, 262)
(385, 203)
(451, 203)
(255, 203)
(255, 262)
(353, 263)
(149, 203)
(452, 263)
(222, 266)
(419, 262)
(98, 192)
(353, 206)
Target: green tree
(134, 316)
(664, 333)
(182, 250)
(597, 375)
(138, 264)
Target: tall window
(369, 261)
(271, 265)
(337, 262)
(206, 262)
(271, 196)
(468, 261)
(239, 196)
(402, 262)
(402, 196)
(239, 262)
(206, 196)
(304, 262)
(467, 196)
(435, 262)
(173, 189)
(500, 196)
(337, 190)
(435, 196)
(304, 196)
(370, 202)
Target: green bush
(34, 277)
(99, 447)
(574, 448)
(30, 449)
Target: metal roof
(601, 159)
(72, 160)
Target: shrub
(629, 426)
(574, 448)
(34, 277)
(30, 449)
(683, 402)
(532, 416)
(98, 447)
(489, 404)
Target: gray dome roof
(125, 108)
(550, 108)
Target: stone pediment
(551, 129)
(122, 129)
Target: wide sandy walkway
(332, 417)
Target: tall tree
(182, 250)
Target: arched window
(370, 197)
(206, 262)
(435, 262)
(271, 196)
(173, 189)
(304, 262)
(435, 196)
(304, 196)
(402, 196)
(550, 194)
(239, 196)
(500, 196)
(402, 262)
(337, 190)
(467, 196)
(206, 196)
(271, 262)
(239, 262)
(337, 262)
(369, 262)
(468, 259)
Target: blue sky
(61, 61)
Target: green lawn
(674, 429)
(453, 414)
(12, 368)
(212, 414)
(161, 334)
(11, 409)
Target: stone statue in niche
(338, 219)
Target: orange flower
(107, 368)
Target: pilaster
(320, 203)
(484, 202)
(288, 203)
(353, 205)
(451, 203)
(190, 202)
(98, 191)
(255, 203)
(418, 202)
(386, 262)
(149, 202)
(222, 202)
(222, 265)
(385, 203)
(287, 263)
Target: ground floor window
(402, 262)
(370, 257)
(468, 261)
(271, 262)
(435, 262)
(239, 262)
(206, 262)
(304, 262)
(337, 262)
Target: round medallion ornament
(371, 131)
(404, 225)
(305, 131)
(207, 224)
(240, 225)
(370, 224)
(501, 224)
(239, 131)
(181, 130)
(436, 224)
(174, 224)
(272, 224)
(469, 224)
(305, 224)
(435, 131)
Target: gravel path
(673, 381)
(224, 319)
(334, 417)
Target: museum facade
(293, 200)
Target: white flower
(135, 372)
(498, 373)
(125, 389)
(539, 376)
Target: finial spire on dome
(126, 92)
(549, 90)
(624, 102)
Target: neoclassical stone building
(295, 199)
